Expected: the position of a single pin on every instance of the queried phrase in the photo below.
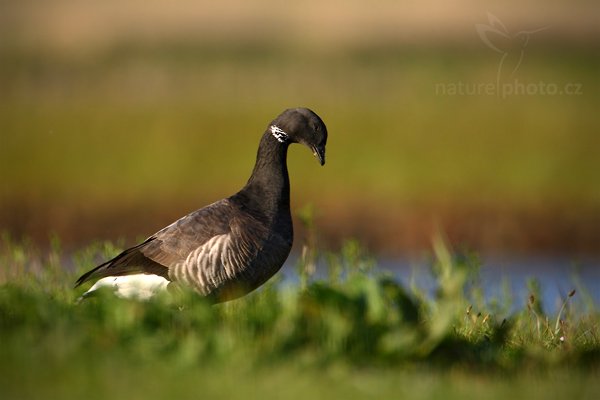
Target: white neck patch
(278, 133)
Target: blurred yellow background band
(111, 110)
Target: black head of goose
(228, 248)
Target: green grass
(358, 333)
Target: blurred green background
(118, 117)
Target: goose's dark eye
(318, 128)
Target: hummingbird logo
(510, 46)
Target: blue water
(556, 276)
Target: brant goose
(229, 248)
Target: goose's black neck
(268, 188)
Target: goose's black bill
(319, 152)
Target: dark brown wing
(168, 246)
(129, 262)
